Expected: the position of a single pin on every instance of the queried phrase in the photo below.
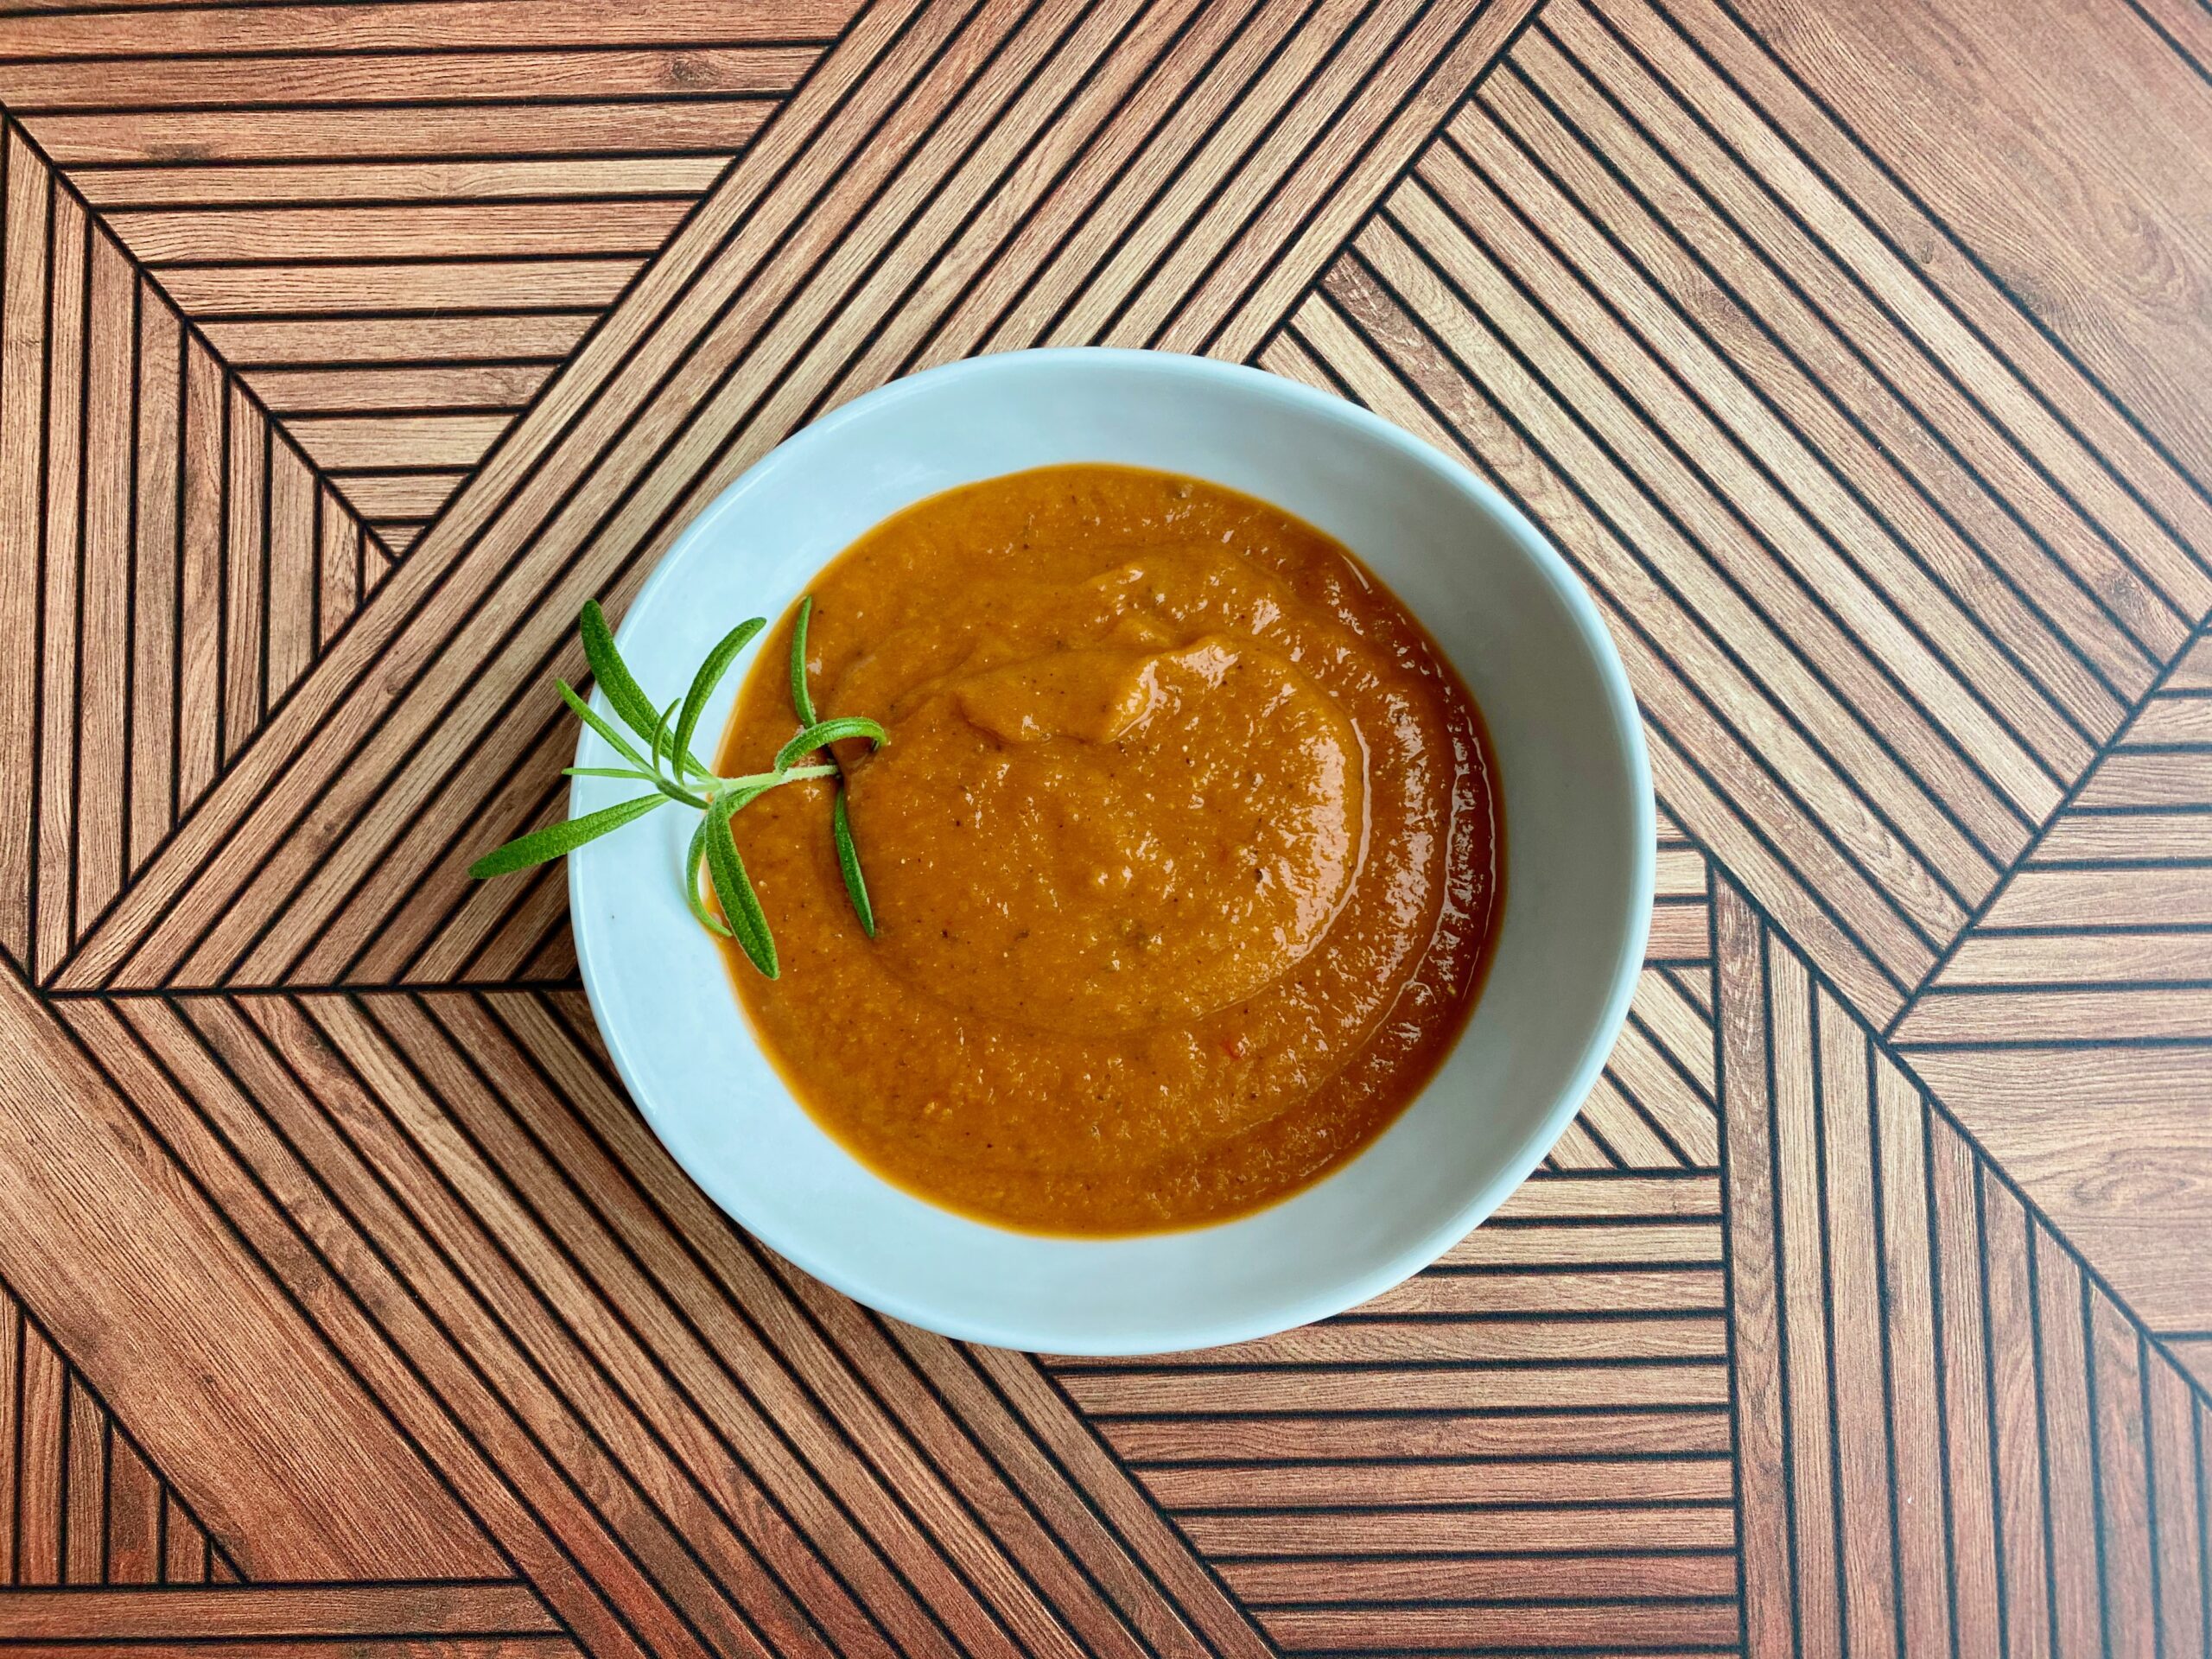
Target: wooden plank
(2025, 1567)
(68, 318)
(1600, 1290)
(533, 336)
(401, 1646)
(184, 1545)
(84, 1481)
(1704, 1625)
(1398, 1389)
(1586, 1245)
(154, 644)
(1858, 1361)
(199, 580)
(279, 235)
(719, 128)
(12, 1335)
(293, 540)
(1506, 1435)
(1446, 1532)
(1382, 1342)
(2119, 1391)
(263, 1612)
(245, 574)
(42, 1460)
(1644, 1198)
(383, 496)
(350, 179)
(410, 389)
(334, 442)
(104, 579)
(287, 77)
(336, 289)
(1968, 1383)
(1501, 1577)
(25, 227)
(1335, 1487)
(1743, 1016)
(1905, 1316)
(388, 26)
(134, 1516)
(2066, 1429)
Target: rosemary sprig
(678, 775)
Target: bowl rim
(1339, 1293)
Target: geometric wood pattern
(1949, 1430)
(1854, 356)
(2083, 995)
(394, 313)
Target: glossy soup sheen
(1183, 853)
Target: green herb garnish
(677, 775)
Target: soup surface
(1183, 853)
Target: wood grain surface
(1855, 356)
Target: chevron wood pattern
(1852, 354)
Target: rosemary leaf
(589, 715)
(557, 839)
(822, 734)
(841, 828)
(849, 862)
(661, 734)
(802, 700)
(615, 679)
(693, 856)
(740, 905)
(710, 676)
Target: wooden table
(1857, 354)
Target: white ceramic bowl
(1578, 812)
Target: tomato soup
(1183, 853)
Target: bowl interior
(1578, 836)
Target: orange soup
(1183, 853)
